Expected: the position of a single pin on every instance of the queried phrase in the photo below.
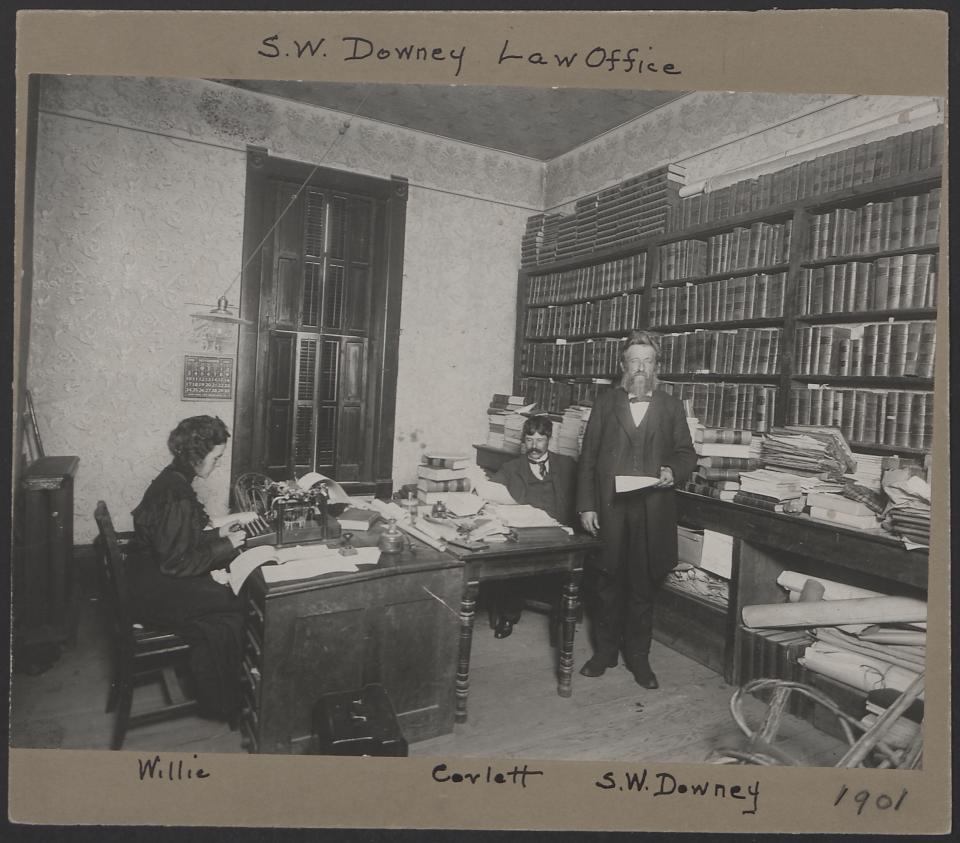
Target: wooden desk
(391, 623)
(538, 551)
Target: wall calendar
(207, 378)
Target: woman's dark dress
(173, 589)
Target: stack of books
(777, 491)
(722, 454)
(842, 511)
(441, 474)
(870, 468)
(908, 152)
(504, 422)
(539, 243)
(911, 523)
(640, 206)
(513, 432)
(568, 435)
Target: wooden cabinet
(44, 584)
(767, 543)
(392, 625)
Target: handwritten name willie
(666, 784)
(173, 771)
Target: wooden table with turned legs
(537, 551)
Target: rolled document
(795, 581)
(836, 612)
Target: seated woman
(171, 574)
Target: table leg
(468, 604)
(571, 602)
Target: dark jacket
(170, 522)
(555, 494)
(613, 445)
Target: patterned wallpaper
(139, 213)
(457, 324)
(710, 132)
(132, 225)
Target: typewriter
(259, 531)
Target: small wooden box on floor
(341, 632)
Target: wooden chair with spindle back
(141, 654)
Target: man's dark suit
(555, 495)
(639, 529)
(559, 502)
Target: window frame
(385, 299)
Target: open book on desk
(299, 562)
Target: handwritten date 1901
(863, 797)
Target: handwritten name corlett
(518, 775)
(666, 784)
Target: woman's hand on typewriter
(235, 522)
(237, 537)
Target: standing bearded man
(634, 429)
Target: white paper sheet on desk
(492, 492)
(463, 503)
(524, 515)
(326, 562)
(334, 489)
(632, 483)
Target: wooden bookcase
(833, 195)
(546, 353)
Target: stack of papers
(812, 451)
(524, 515)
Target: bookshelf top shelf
(904, 183)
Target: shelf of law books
(801, 300)
(870, 377)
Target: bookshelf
(805, 296)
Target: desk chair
(140, 653)
(250, 492)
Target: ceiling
(539, 123)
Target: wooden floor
(514, 708)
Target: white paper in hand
(631, 483)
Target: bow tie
(637, 399)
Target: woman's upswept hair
(194, 438)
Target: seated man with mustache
(541, 479)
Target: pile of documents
(808, 450)
(908, 513)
